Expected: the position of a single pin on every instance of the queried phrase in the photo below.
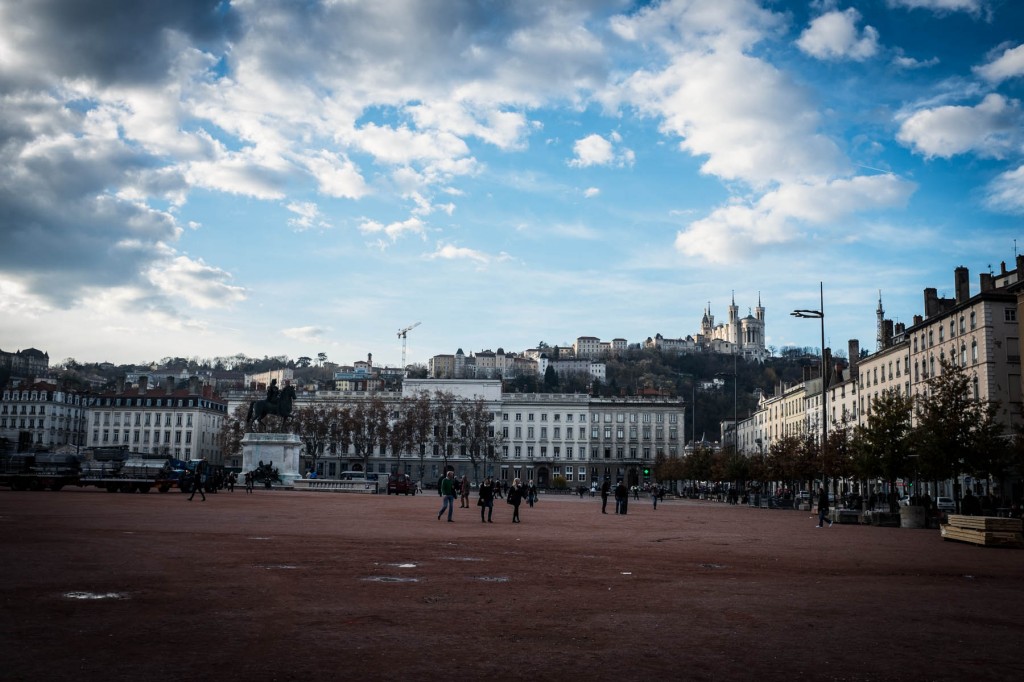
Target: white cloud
(909, 63)
(943, 6)
(452, 252)
(395, 230)
(750, 121)
(199, 284)
(594, 150)
(1006, 192)
(834, 36)
(591, 192)
(308, 216)
(308, 333)
(336, 175)
(741, 229)
(1010, 64)
(992, 128)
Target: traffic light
(647, 472)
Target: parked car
(401, 484)
(945, 504)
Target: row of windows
(115, 436)
(143, 418)
(598, 417)
(541, 452)
(595, 433)
(42, 396)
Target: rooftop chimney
(963, 284)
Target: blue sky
(206, 178)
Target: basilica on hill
(743, 336)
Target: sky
(205, 178)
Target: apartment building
(42, 416)
(184, 423)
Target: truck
(117, 470)
(38, 470)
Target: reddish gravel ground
(285, 585)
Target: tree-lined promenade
(942, 435)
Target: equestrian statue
(278, 401)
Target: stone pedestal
(912, 517)
(278, 449)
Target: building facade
(535, 437)
(182, 423)
(42, 416)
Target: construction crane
(401, 335)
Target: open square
(282, 585)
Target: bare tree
(442, 410)
(417, 417)
(312, 423)
(370, 427)
(475, 431)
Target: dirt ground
(282, 585)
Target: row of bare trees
(953, 434)
(440, 424)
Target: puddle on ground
(94, 596)
(257, 537)
(712, 566)
(463, 558)
(493, 578)
(276, 567)
(627, 573)
(390, 579)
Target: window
(568, 452)
(544, 417)
(519, 432)
(543, 432)
(529, 432)
(974, 319)
(974, 352)
(529, 417)
(1010, 314)
(519, 416)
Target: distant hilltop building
(30, 362)
(745, 336)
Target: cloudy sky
(270, 177)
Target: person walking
(823, 507)
(515, 498)
(531, 493)
(249, 478)
(447, 489)
(621, 497)
(605, 489)
(199, 479)
(654, 495)
(464, 493)
(486, 500)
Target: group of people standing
(515, 494)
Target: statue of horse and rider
(278, 401)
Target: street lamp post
(820, 315)
(693, 409)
